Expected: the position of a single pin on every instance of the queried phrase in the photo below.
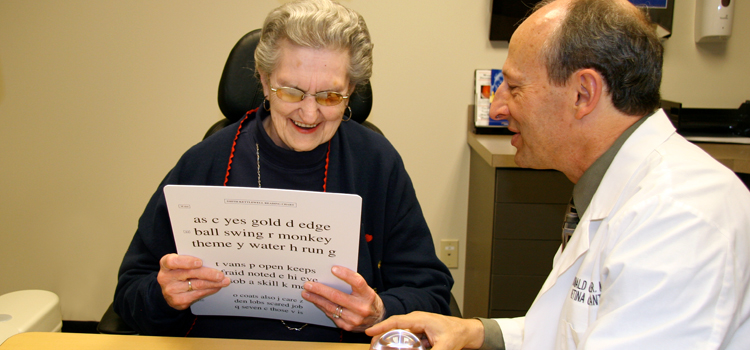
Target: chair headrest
(240, 91)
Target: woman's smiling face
(304, 125)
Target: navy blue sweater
(396, 253)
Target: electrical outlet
(449, 252)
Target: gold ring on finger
(337, 313)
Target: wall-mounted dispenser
(713, 20)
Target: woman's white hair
(319, 24)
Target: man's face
(537, 111)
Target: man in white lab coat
(661, 256)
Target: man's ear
(589, 88)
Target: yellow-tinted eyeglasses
(324, 98)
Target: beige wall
(98, 99)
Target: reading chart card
(269, 242)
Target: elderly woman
(311, 56)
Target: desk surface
(497, 151)
(79, 341)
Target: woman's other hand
(351, 312)
(184, 280)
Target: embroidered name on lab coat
(586, 292)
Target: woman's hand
(443, 332)
(351, 312)
(184, 280)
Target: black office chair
(239, 92)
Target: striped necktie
(569, 225)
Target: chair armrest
(111, 323)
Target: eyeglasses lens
(328, 98)
(289, 94)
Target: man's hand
(443, 332)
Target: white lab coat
(660, 258)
